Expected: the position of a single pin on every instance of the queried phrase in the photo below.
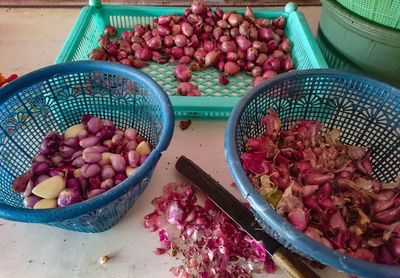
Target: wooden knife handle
(292, 264)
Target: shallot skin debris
(202, 38)
(325, 188)
(209, 242)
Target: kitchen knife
(239, 213)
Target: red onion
(261, 59)
(169, 41)
(180, 40)
(223, 24)
(265, 34)
(98, 54)
(176, 30)
(20, 183)
(177, 52)
(251, 54)
(127, 35)
(231, 56)
(285, 46)
(155, 43)
(269, 74)
(183, 73)
(249, 15)
(223, 79)
(231, 68)
(234, 32)
(205, 36)
(211, 58)
(228, 46)
(208, 46)
(187, 29)
(287, 64)
(103, 41)
(256, 71)
(195, 20)
(253, 33)
(187, 12)
(110, 31)
(194, 41)
(262, 22)
(278, 54)
(139, 30)
(257, 80)
(220, 65)
(249, 66)
(188, 51)
(194, 93)
(143, 54)
(272, 46)
(137, 63)
(122, 55)
(235, 19)
(164, 20)
(224, 38)
(200, 55)
(208, 28)
(163, 30)
(279, 32)
(185, 60)
(217, 32)
(199, 7)
(218, 12)
(243, 42)
(279, 22)
(271, 64)
(185, 87)
(244, 29)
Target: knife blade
(239, 213)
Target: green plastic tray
(217, 100)
(385, 12)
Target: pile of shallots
(202, 38)
(325, 188)
(87, 160)
(211, 244)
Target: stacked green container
(360, 44)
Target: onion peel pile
(325, 188)
(211, 244)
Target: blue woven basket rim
(268, 215)
(69, 212)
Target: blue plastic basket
(54, 98)
(367, 112)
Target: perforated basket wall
(217, 100)
(365, 111)
(385, 12)
(54, 98)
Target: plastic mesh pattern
(217, 100)
(33, 108)
(364, 110)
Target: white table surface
(30, 39)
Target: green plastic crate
(217, 100)
(333, 58)
(385, 12)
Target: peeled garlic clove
(143, 148)
(129, 171)
(73, 131)
(46, 204)
(105, 158)
(49, 188)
